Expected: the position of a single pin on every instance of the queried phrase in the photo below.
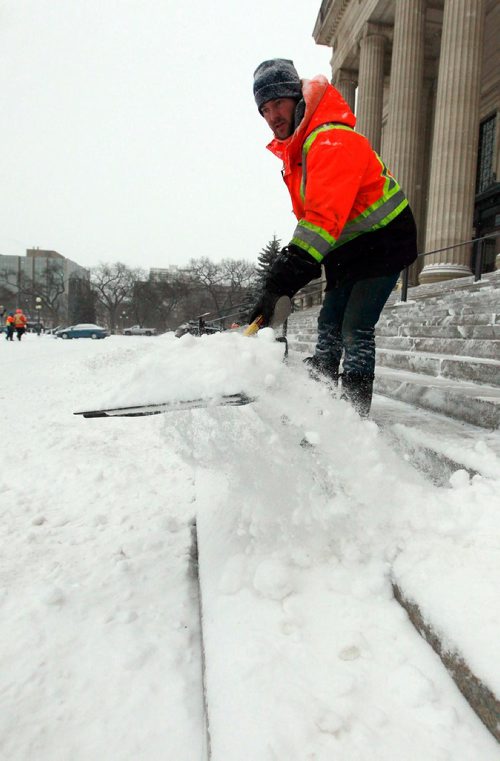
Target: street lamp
(38, 306)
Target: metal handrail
(314, 291)
(201, 323)
(404, 278)
(478, 265)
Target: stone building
(424, 78)
(41, 275)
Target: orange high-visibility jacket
(20, 320)
(339, 186)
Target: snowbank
(305, 513)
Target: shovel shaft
(254, 326)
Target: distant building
(157, 274)
(424, 79)
(42, 277)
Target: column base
(434, 273)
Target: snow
(306, 514)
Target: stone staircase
(437, 400)
(439, 350)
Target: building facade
(41, 278)
(159, 274)
(423, 77)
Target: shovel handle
(254, 326)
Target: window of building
(485, 164)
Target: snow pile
(178, 369)
(304, 513)
(298, 546)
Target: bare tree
(226, 283)
(208, 276)
(50, 287)
(113, 285)
(240, 277)
(156, 302)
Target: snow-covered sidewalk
(99, 655)
(308, 654)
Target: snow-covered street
(306, 515)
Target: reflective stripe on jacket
(339, 186)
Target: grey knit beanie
(277, 78)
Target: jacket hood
(323, 103)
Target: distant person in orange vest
(9, 322)
(20, 323)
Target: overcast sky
(129, 129)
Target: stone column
(402, 141)
(422, 190)
(402, 133)
(346, 81)
(371, 85)
(454, 147)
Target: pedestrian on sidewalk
(20, 323)
(9, 322)
(353, 218)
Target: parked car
(137, 330)
(83, 330)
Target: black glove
(291, 271)
(264, 308)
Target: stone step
(419, 293)
(481, 318)
(304, 335)
(457, 302)
(464, 347)
(483, 371)
(308, 333)
(246, 617)
(302, 347)
(392, 317)
(464, 390)
(470, 369)
(439, 331)
(475, 690)
(396, 316)
(489, 281)
(459, 297)
(300, 318)
(484, 347)
(443, 308)
(435, 444)
(476, 405)
(436, 351)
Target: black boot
(358, 390)
(322, 369)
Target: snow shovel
(282, 310)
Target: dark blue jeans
(347, 320)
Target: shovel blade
(141, 410)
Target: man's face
(279, 114)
